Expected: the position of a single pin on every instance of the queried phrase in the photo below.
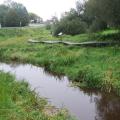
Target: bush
(48, 26)
(70, 27)
(113, 36)
(97, 26)
(105, 37)
(57, 28)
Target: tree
(22, 13)
(3, 12)
(80, 7)
(13, 14)
(105, 10)
(70, 24)
(99, 14)
(12, 19)
(110, 12)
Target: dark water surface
(84, 104)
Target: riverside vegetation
(87, 67)
(17, 102)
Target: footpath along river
(83, 104)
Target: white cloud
(47, 8)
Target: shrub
(97, 26)
(70, 27)
(48, 26)
(105, 37)
(57, 28)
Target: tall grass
(17, 102)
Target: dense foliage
(107, 11)
(89, 16)
(69, 24)
(13, 14)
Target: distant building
(37, 20)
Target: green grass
(106, 35)
(89, 67)
(17, 102)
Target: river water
(83, 104)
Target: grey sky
(47, 8)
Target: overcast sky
(47, 8)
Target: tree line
(13, 14)
(89, 16)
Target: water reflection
(84, 104)
(108, 107)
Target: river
(83, 104)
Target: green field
(89, 67)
